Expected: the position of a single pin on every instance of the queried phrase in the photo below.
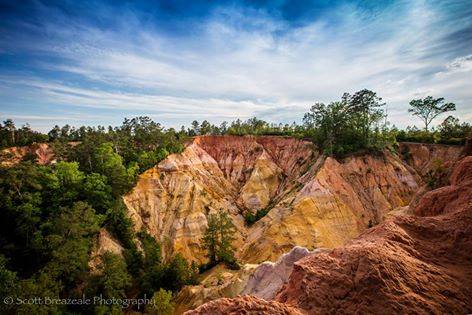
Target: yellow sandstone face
(314, 201)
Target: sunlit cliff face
(310, 200)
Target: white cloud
(227, 71)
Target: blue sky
(96, 62)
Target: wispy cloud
(240, 61)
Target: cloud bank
(229, 61)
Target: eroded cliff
(310, 200)
(43, 153)
(407, 264)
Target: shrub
(161, 303)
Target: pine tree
(218, 239)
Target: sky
(97, 62)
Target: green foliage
(450, 131)
(218, 239)
(171, 275)
(413, 134)
(161, 303)
(429, 108)
(437, 176)
(41, 284)
(97, 192)
(70, 181)
(252, 126)
(111, 281)
(50, 215)
(151, 249)
(252, 218)
(12, 136)
(25, 196)
(355, 123)
(178, 272)
(68, 174)
(8, 283)
(69, 236)
(61, 149)
(119, 224)
(107, 162)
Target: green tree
(119, 224)
(109, 163)
(195, 128)
(453, 132)
(331, 126)
(366, 111)
(97, 192)
(9, 125)
(205, 128)
(114, 278)
(41, 284)
(178, 272)
(161, 303)
(429, 108)
(151, 249)
(8, 283)
(110, 281)
(218, 238)
(352, 124)
(69, 237)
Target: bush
(437, 176)
(252, 218)
(161, 303)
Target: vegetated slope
(310, 201)
(425, 157)
(407, 264)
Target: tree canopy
(218, 239)
(428, 108)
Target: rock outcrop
(262, 281)
(407, 264)
(244, 305)
(42, 152)
(217, 283)
(451, 198)
(424, 157)
(228, 173)
(311, 201)
(104, 243)
(334, 203)
(268, 278)
(172, 200)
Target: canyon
(310, 200)
(371, 232)
(315, 203)
(417, 264)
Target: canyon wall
(310, 200)
(407, 264)
(42, 152)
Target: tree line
(355, 122)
